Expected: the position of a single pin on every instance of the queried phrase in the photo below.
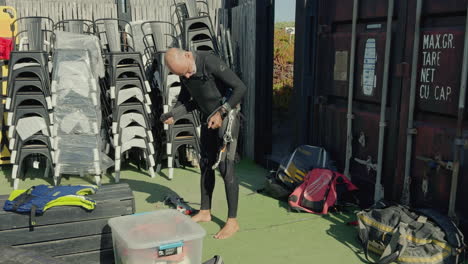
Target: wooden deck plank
(71, 246)
(11, 255)
(54, 232)
(112, 200)
(58, 215)
(94, 257)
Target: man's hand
(169, 121)
(167, 118)
(215, 121)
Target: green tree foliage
(283, 64)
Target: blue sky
(285, 10)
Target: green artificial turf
(269, 232)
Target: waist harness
(38, 199)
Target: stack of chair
(75, 96)
(5, 48)
(79, 141)
(28, 101)
(197, 30)
(88, 28)
(160, 36)
(128, 95)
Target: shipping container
(385, 95)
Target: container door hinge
(323, 29)
(436, 162)
(368, 163)
(412, 131)
(461, 142)
(321, 100)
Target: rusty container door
(390, 106)
(336, 109)
(432, 129)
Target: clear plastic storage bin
(163, 236)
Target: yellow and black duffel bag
(398, 234)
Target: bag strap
(397, 245)
(331, 187)
(394, 249)
(364, 238)
(23, 198)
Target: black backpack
(305, 158)
(290, 174)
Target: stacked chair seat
(75, 97)
(197, 29)
(28, 103)
(128, 96)
(79, 144)
(159, 36)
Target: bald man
(211, 87)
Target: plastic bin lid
(153, 229)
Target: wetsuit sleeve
(184, 103)
(223, 73)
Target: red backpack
(6, 45)
(319, 191)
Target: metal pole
(405, 198)
(378, 193)
(349, 135)
(461, 112)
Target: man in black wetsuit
(210, 86)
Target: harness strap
(32, 217)
(23, 198)
(227, 136)
(397, 245)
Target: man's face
(191, 68)
(186, 67)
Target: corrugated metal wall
(243, 41)
(252, 23)
(92, 9)
(265, 11)
(62, 9)
(163, 9)
(304, 69)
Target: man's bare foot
(202, 216)
(229, 229)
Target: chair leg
(97, 179)
(15, 184)
(47, 168)
(117, 176)
(14, 172)
(171, 173)
(176, 160)
(117, 171)
(169, 166)
(57, 174)
(158, 167)
(22, 171)
(57, 181)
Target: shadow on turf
(157, 192)
(339, 227)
